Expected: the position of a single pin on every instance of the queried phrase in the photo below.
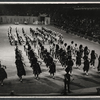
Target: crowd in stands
(84, 23)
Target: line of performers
(34, 63)
(64, 54)
(33, 59)
(68, 54)
(15, 38)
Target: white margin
(49, 2)
(49, 96)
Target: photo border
(49, 97)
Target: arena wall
(47, 20)
(22, 19)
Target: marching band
(68, 55)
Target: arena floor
(45, 85)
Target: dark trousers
(68, 86)
(92, 62)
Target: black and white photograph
(50, 49)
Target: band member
(53, 51)
(18, 55)
(65, 47)
(60, 54)
(10, 29)
(69, 53)
(3, 73)
(51, 46)
(16, 42)
(64, 59)
(48, 60)
(62, 44)
(72, 46)
(98, 68)
(57, 51)
(35, 42)
(20, 68)
(31, 54)
(78, 59)
(36, 67)
(70, 64)
(61, 40)
(86, 51)
(26, 47)
(86, 65)
(16, 49)
(52, 67)
(75, 50)
(93, 58)
(81, 50)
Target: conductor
(67, 82)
